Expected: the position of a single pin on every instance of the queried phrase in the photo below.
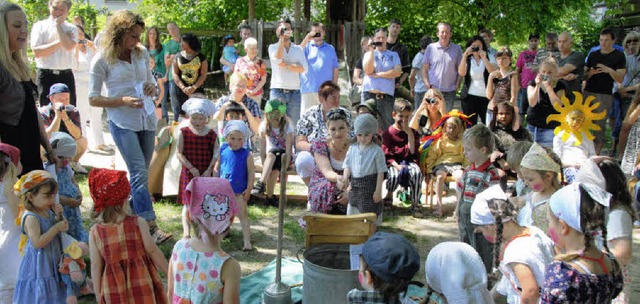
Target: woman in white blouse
(123, 68)
(475, 67)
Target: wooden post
(252, 9)
(307, 10)
(296, 18)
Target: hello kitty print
(211, 202)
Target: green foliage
(89, 14)
(34, 9)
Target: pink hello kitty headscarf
(211, 203)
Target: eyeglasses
(632, 41)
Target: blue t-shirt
(229, 53)
(382, 62)
(322, 60)
(233, 167)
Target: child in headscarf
(211, 206)
(9, 230)
(197, 149)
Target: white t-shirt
(569, 153)
(535, 251)
(282, 78)
(274, 141)
(619, 226)
(478, 87)
(44, 32)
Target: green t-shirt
(158, 57)
(240, 48)
(171, 47)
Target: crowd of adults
(130, 81)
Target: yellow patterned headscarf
(538, 159)
(20, 188)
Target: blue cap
(58, 88)
(391, 256)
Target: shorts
(447, 167)
(277, 165)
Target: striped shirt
(476, 179)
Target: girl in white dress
(9, 232)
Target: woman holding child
(123, 68)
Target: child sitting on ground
(520, 253)
(236, 165)
(573, 152)
(446, 157)
(400, 146)
(276, 143)
(478, 144)
(9, 210)
(212, 205)
(364, 168)
(68, 190)
(197, 149)
(540, 170)
(120, 244)
(582, 273)
(387, 264)
(39, 280)
(230, 54)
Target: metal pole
(278, 292)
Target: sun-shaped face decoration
(577, 118)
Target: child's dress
(9, 238)
(72, 214)
(199, 151)
(534, 213)
(196, 275)
(534, 249)
(233, 167)
(229, 53)
(445, 154)
(129, 274)
(565, 284)
(39, 280)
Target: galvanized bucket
(327, 274)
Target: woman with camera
(542, 93)
(429, 112)
(475, 67)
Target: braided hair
(502, 210)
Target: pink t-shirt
(525, 62)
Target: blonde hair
(237, 78)
(110, 214)
(121, 23)
(480, 136)
(16, 62)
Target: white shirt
(288, 129)
(282, 78)
(478, 87)
(569, 153)
(120, 80)
(44, 32)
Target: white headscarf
(480, 212)
(565, 203)
(455, 270)
(198, 105)
(63, 144)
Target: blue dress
(39, 280)
(233, 167)
(72, 214)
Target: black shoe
(273, 201)
(258, 189)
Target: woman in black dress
(20, 126)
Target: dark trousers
(47, 78)
(477, 105)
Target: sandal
(438, 211)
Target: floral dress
(631, 150)
(197, 275)
(565, 284)
(254, 71)
(322, 192)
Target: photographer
(287, 62)
(381, 67)
(475, 67)
(60, 116)
(430, 111)
(323, 65)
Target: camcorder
(316, 35)
(376, 43)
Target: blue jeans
(449, 99)
(136, 149)
(164, 103)
(523, 101)
(293, 100)
(543, 137)
(175, 104)
(417, 99)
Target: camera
(544, 77)
(431, 100)
(82, 41)
(316, 35)
(61, 108)
(282, 31)
(423, 121)
(475, 49)
(376, 43)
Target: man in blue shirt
(323, 65)
(440, 65)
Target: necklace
(339, 149)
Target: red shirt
(395, 145)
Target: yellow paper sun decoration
(587, 107)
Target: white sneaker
(78, 168)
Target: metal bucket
(327, 274)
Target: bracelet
(66, 120)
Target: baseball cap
(58, 88)
(391, 256)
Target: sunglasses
(632, 41)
